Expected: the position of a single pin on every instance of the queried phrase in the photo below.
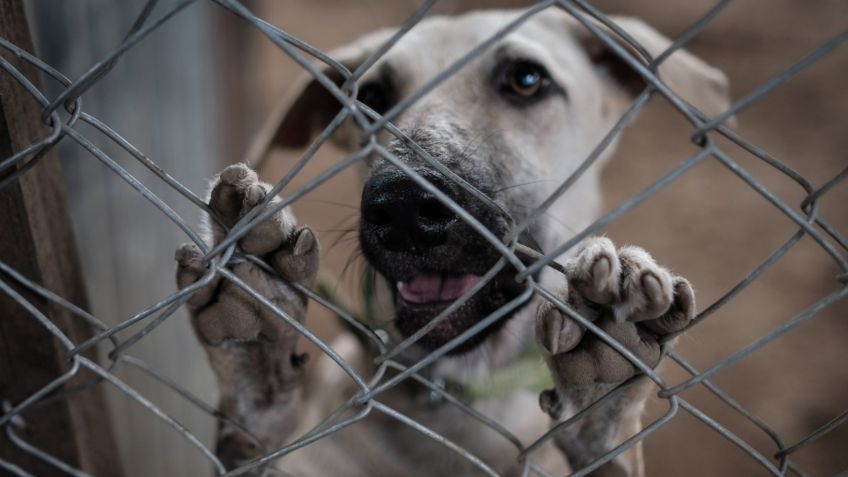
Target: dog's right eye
(376, 96)
(524, 81)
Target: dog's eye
(376, 96)
(525, 79)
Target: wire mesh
(64, 114)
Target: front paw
(628, 296)
(251, 348)
(224, 312)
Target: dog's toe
(236, 192)
(646, 288)
(680, 313)
(229, 194)
(555, 332)
(595, 271)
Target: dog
(513, 124)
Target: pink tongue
(425, 288)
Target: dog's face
(513, 123)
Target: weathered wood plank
(37, 240)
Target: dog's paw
(222, 311)
(251, 348)
(626, 294)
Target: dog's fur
(515, 153)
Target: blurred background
(191, 96)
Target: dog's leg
(636, 302)
(251, 349)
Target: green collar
(527, 372)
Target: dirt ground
(708, 225)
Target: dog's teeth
(399, 286)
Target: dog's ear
(308, 106)
(696, 82)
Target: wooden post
(36, 239)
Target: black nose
(402, 215)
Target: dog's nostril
(378, 215)
(433, 210)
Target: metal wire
(389, 372)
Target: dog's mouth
(436, 261)
(425, 295)
(435, 288)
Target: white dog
(513, 123)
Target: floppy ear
(696, 82)
(308, 106)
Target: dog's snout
(403, 215)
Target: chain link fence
(64, 114)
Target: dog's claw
(556, 332)
(255, 193)
(595, 271)
(299, 262)
(550, 403)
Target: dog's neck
(500, 349)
